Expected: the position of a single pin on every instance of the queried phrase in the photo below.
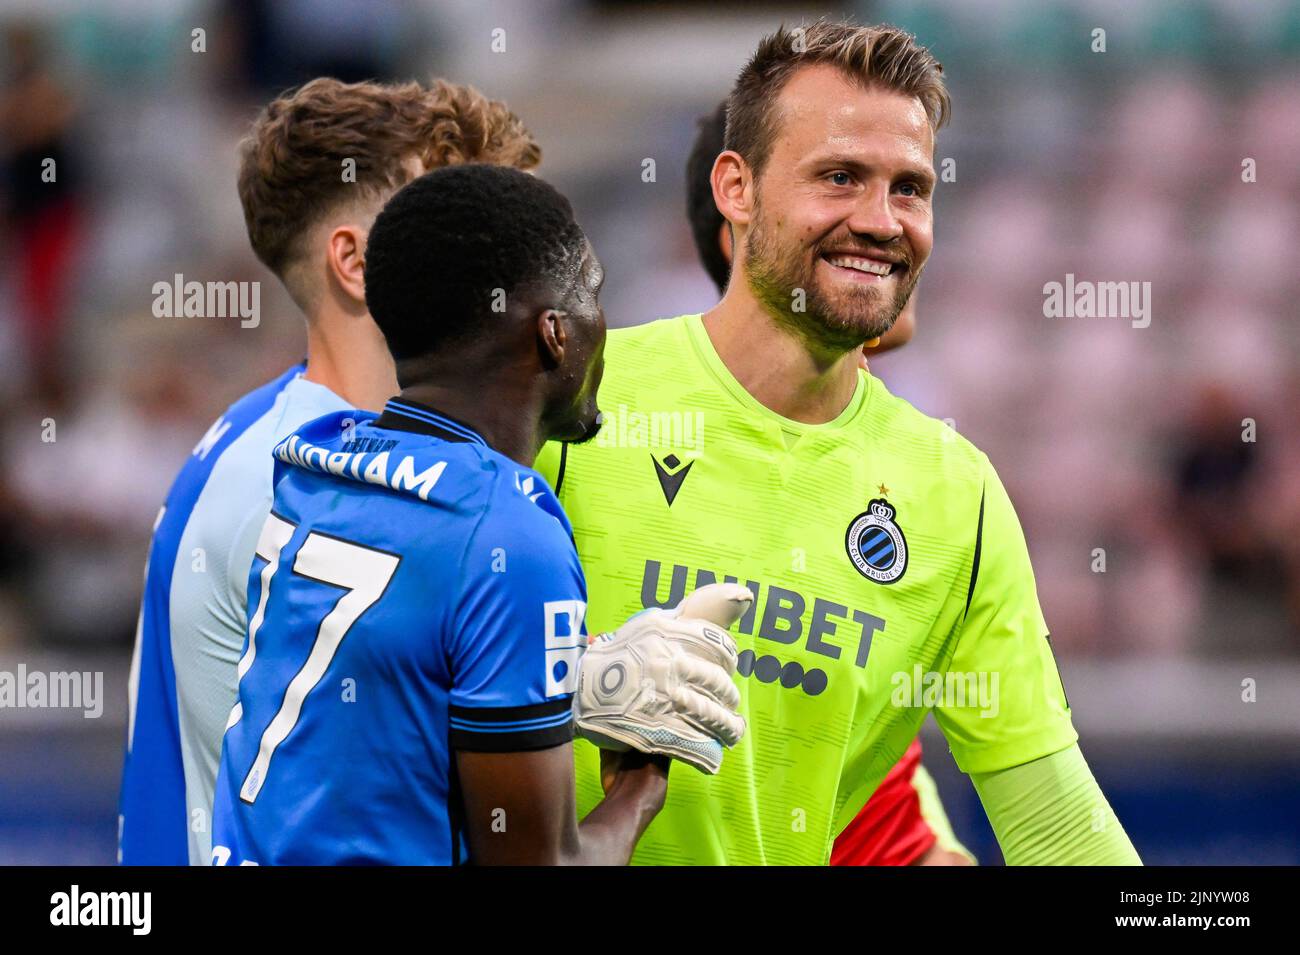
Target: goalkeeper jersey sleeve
(1003, 648)
(1052, 812)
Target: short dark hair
(882, 56)
(448, 241)
(706, 220)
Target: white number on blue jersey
(363, 572)
(275, 535)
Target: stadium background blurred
(1117, 166)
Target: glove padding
(662, 682)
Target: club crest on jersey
(876, 544)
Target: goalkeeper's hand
(662, 683)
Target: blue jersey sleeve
(518, 633)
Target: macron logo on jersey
(376, 470)
(565, 643)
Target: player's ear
(345, 254)
(733, 187)
(552, 337)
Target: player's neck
(347, 354)
(778, 367)
(502, 414)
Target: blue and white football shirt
(193, 621)
(414, 593)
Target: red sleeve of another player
(890, 829)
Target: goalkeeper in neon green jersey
(890, 572)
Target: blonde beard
(818, 321)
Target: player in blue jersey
(315, 170)
(416, 629)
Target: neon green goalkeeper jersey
(890, 577)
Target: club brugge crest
(876, 544)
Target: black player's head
(707, 223)
(477, 266)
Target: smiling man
(904, 822)
(875, 539)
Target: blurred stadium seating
(1117, 166)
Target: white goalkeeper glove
(662, 683)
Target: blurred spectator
(42, 201)
(1216, 470)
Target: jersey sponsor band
(779, 614)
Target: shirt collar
(403, 414)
